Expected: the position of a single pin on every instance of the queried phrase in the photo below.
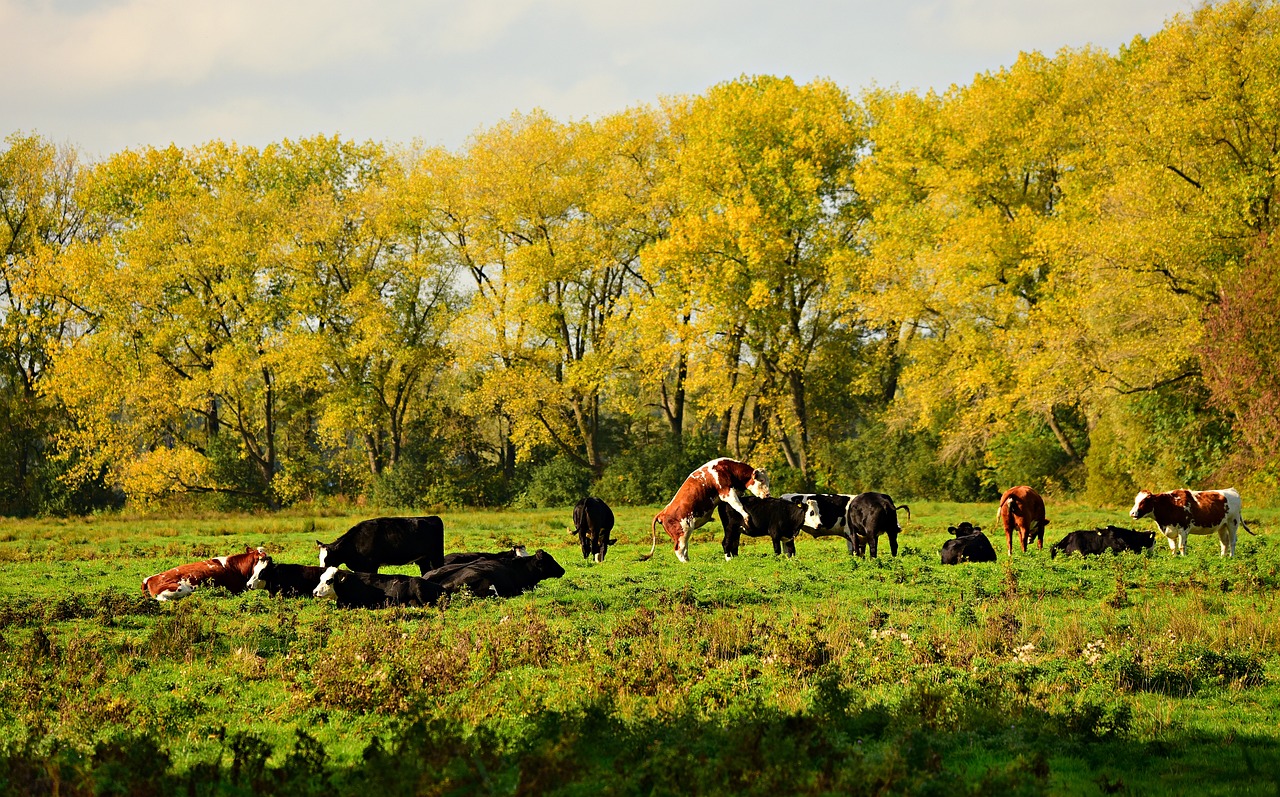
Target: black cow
(291, 581)
(592, 521)
(505, 578)
(828, 512)
(384, 541)
(969, 545)
(775, 518)
(355, 590)
(1095, 541)
(868, 516)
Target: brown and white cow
(1022, 508)
(1178, 513)
(696, 500)
(237, 572)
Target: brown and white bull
(696, 500)
(1179, 513)
(236, 573)
(1022, 508)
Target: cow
(1022, 508)
(869, 515)
(291, 581)
(969, 545)
(829, 515)
(778, 519)
(592, 521)
(504, 578)
(387, 541)
(357, 590)
(233, 572)
(696, 500)
(1095, 541)
(1181, 512)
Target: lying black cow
(387, 541)
(290, 581)
(1095, 541)
(826, 515)
(504, 578)
(354, 590)
(775, 518)
(868, 516)
(592, 521)
(969, 545)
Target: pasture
(820, 674)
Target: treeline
(1060, 274)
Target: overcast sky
(106, 75)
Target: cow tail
(900, 508)
(653, 531)
(1245, 526)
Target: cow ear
(320, 544)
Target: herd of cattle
(735, 491)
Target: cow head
(1143, 505)
(257, 578)
(965, 529)
(758, 485)
(812, 515)
(325, 588)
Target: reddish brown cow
(236, 572)
(697, 498)
(1023, 508)
(1181, 512)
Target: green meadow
(822, 674)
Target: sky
(107, 75)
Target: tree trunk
(1062, 437)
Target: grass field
(820, 674)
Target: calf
(355, 590)
(593, 520)
(291, 581)
(869, 515)
(828, 514)
(1112, 538)
(969, 545)
(1181, 512)
(504, 578)
(232, 572)
(696, 500)
(378, 542)
(1022, 508)
(775, 518)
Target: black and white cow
(290, 581)
(828, 512)
(387, 541)
(592, 522)
(1095, 541)
(868, 516)
(504, 578)
(775, 518)
(355, 590)
(969, 545)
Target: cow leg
(789, 547)
(729, 544)
(682, 545)
(848, 541)
(1182, 541)
(893, 543)
(875, 543)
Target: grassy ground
(821, 674)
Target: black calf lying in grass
(969, 545)
(1111, 538)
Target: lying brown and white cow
(1022, 508)
(1178, 513)
(236, 573)
(696, 500)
